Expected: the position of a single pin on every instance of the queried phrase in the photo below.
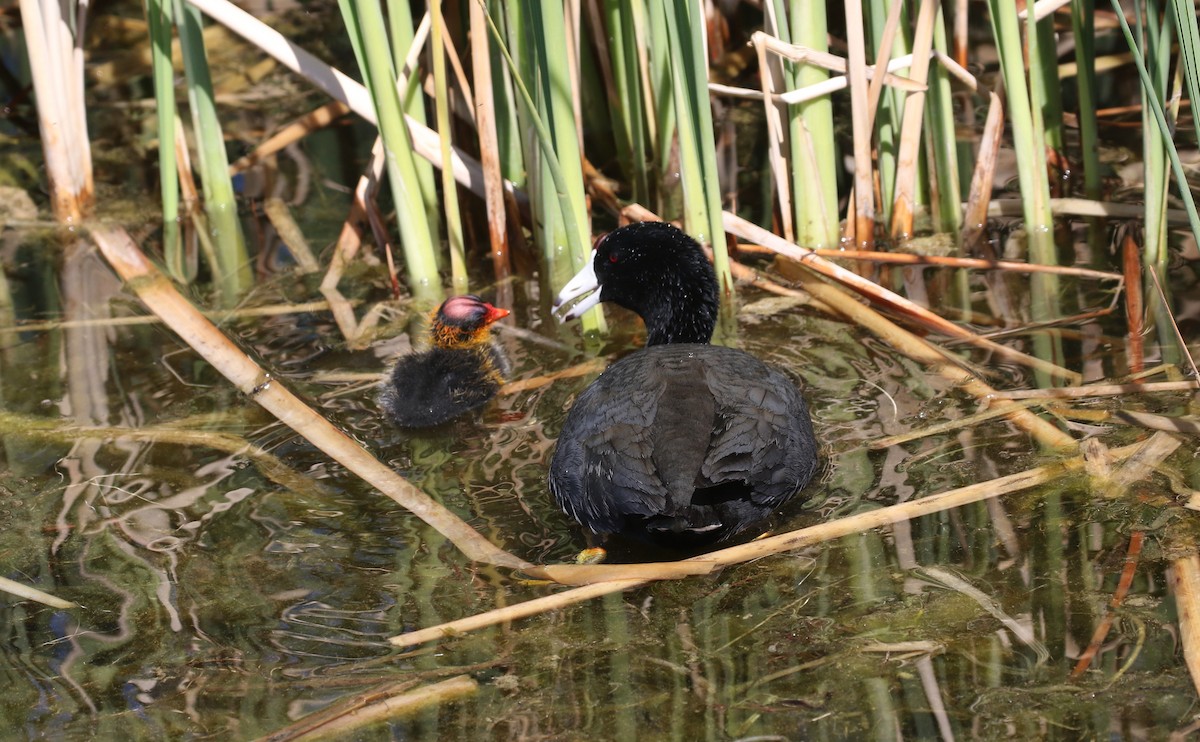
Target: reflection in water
(219, 602)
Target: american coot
(681, 444)
(462, 370)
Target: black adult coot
(681, 444)
(461, 371)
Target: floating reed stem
(346, 718)
(753, 233)
(1185, 582)
(177, 313)
(26, 592)
(772, 545)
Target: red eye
(612, 258)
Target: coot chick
(461, 371)
(681, 444)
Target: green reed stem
(458, 259)
(232, 273)
(1029, 142)
(508, 129)
(664, 116)
(811, 136)
(568, 193)
(1045, 85)
(158, 13)
(412, 100)
(628, 111)
(1083, 25)
(941, 141)
(364, 19)
(697, 150)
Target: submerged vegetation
(968, 229)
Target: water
(218, 600)
(224, 594)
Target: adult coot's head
(655, 270)
(462, 321)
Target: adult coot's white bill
(461, 371)
(682, 443)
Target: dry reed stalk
(979, 193)
(769, 546)
(347, 718)
(221, 317)
(157, 292)
(923, 352)
(910, 131)
(833, 63)
(316, 719)
(24, 592)
(816, 90)
(1138, 467)
(1097, 390)
(1088, 207)
(863, 218)
(905, 258)
(1043, 9)
(348, 242)
(271, 466)
(489, 152)
(1184, 576)
(749, 275)
(293, 132)
(1131, 263)
(55, 47)
(748, 231)
(944, 427)
(280, 215)
(781, 181)
(525, 609)
(1071, 319)
(594, 366)
(960, 32)
(883, 58)
(460, 75)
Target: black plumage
(461, 371)
(683, 443)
